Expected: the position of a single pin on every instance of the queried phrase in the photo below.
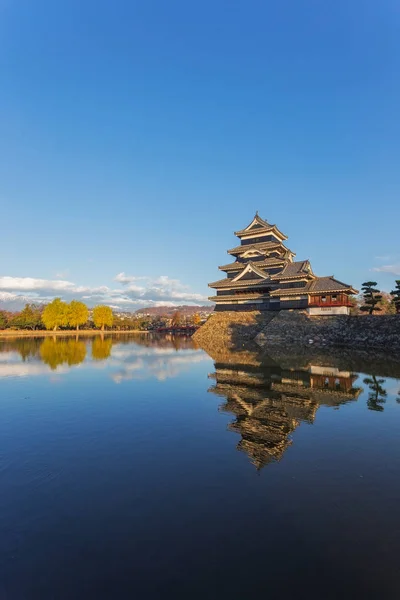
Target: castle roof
(330, 284)
(319, 285)
(261, 246)
(268, 262)
(294, 270)
(259, 226)
(229, 283)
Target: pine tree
(396, 296)
(371, 297)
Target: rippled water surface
(141, 467)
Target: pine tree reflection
(377, 395)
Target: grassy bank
(61, 333)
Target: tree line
(60, 315)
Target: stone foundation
(232, 329)
(288, 329)
(362, 332)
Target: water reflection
(377, 395)
(55, 352)
(126, 357)
(101, 348)
(269, 402)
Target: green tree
(371, 297)
(101, 349)
(3, 320)
(29, 318)
(377, 395)
(55, 314)
(78, 314)
(102, 316)
(396, 296)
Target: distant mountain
(15, 303)
(168, 311)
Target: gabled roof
(294, 270)
(250, 268)
(268, 262)
(259, 225)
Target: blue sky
(137, 136)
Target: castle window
(323, 299)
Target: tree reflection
(55, 352)
(26, 347)
(377, 395)
(101, 348)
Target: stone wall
(363, 332)
(232, 329)
(288, 329)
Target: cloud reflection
(139, 358)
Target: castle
(265, 276)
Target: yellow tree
(78, 314)
(176, 319)
(196, 319)
(102, 316)
(55, 314)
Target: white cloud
(161, 289)
(135, 292)
(393, 269)
(31, 284)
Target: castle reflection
(269, 402)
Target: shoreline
(7, 333)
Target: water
(142, 468)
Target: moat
(143, 467)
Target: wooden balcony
(329, 301)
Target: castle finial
(256, 213)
